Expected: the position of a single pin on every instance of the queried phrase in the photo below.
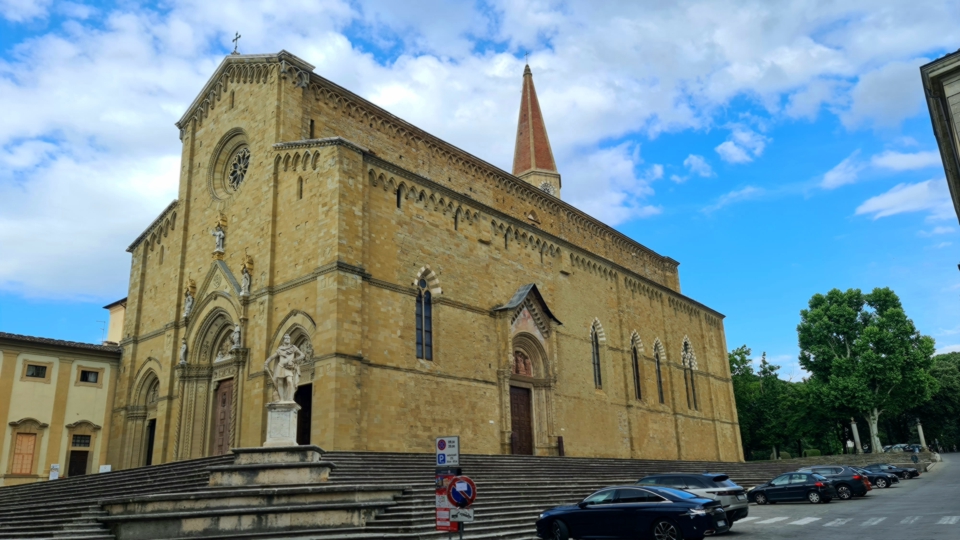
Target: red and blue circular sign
(462, 491)
(441, 445)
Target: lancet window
(656, 361)
(635, 356)
(424, 321)
(595, 348)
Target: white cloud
(612, 191)
(928, 196)
(697, 165)
(899, 161)
(24, 10)
(937, 230)
(948, 349)
(742, 147)
(845, 172)
(747, 193)
(942, 245)
(886, 96)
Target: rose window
(238, 167)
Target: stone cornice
(319, 143)
(153, 225)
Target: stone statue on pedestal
(236, 337)
(187, 303)
(285, 374)
(183, 351)
(245, 282)
(219, 236)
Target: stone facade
(352, 224)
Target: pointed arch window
(595, 348)
(656, 361)
(689, 366)
(635, 353)
(424, 321)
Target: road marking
(751, 518)
(837, 522)
(948, 520)
(772, 520)
(910, 520)
(804, 521)
(872, 521)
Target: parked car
(903, 473)
(718, 487)
(795, 486)
(879, 478)
(913, 448)
(896, 448)
(635, 512)
(848, 482)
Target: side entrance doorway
(222, 417)
(521, 421)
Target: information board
(448, 451)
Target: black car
(795, 486)
(635, 512)
(718, 487)
(879, 478)
(904, 473)
(848, 482)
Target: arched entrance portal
(529, 387)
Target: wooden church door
(222, 414)
(521, 420)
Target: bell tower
(533, 158)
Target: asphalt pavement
(924, 508)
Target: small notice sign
(461, 515)
(448, 451)
(444, 505)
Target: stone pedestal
(281, 424)
(278, 465)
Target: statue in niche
(244, 281)
(219, 236)
(236, 337)
(522, 364)
(187, 303)
(220, 357)
(183, 352)
(285, 374)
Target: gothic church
(431, 294)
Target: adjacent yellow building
(55, 404)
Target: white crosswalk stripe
(837, 522)
(948, 520)
(751, 518)
(772, 520)
(909, 520)
(804, 521)
(872, 521)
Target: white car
(714, 486)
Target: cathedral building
(430, 292)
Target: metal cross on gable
(235, 41)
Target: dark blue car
(635, 512)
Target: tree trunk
(873, 418)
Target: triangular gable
(226, 282)
(529, 297)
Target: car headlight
(696, 512)
(540, 516)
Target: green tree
(940, 414)
(745, 387)
(866, 353)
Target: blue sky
(775, 150)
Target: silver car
(718, 487)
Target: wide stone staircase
(512, 491)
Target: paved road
(925, 508)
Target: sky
(776, 149)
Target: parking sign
(448, 451)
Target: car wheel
(760, 498)
(882, 483)
(666, 530)
(559, 531)
(814, 497)
(844, 492)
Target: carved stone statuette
(244, 281)
(285, 374)
(183, 351)
(219, 236)
(236, 337)
(187, 302)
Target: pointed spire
(533, 147)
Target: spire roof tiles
(533, 150)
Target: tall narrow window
(636, 372)
(595, 345)
(693, 390)
(656, 360)
(424, 322)
(456, 221)
(686, 385)
(311, 129)
(161, 255)
(300, 188)
(399, 196)
(689, 366)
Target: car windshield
(678, 493)
(722, 483)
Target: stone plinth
(278, 465)
(281, 424)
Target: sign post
(447, 469)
